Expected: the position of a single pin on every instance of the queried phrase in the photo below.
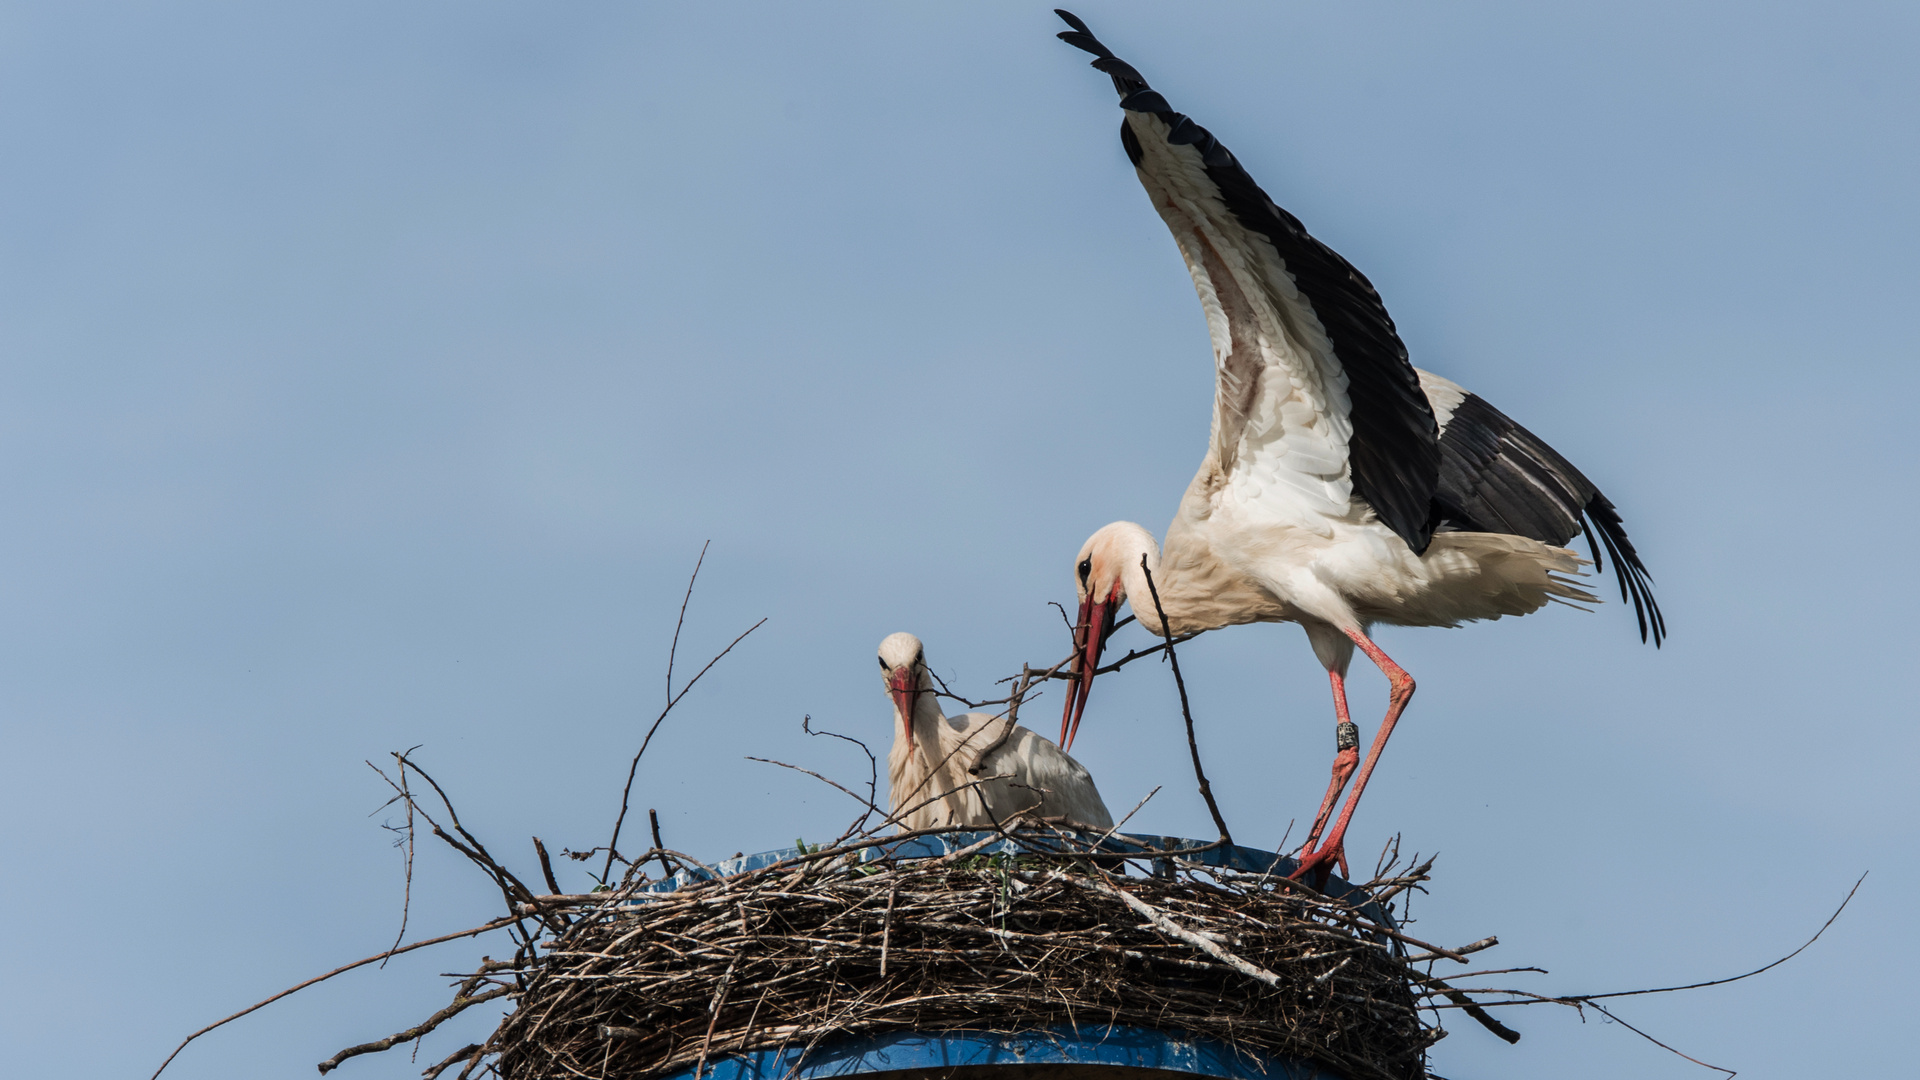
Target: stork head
(1107, 562)
(903, 663)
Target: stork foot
(1316, 866)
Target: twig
(1136, 654)
(1603, 1011)
(1169, 927)
(719, 1002)
(1206, 789)
(769, 761)
(901, 815)
(626, 792)
(1590, 998)
(946, 691)
(681, 621)
(1408, 880)
(1480, 1016)
(467, 1052)
(494, 924)
(886, 927)
(1136, 809)
(546, 865)
(511, 887)
(1064, 617)
(461, 1003)
(1459, 954)
(406, 893)
(659, 847)
(873, 772)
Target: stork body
(1341, 487)
(972, 771)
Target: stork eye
(1086, 569)
(883, 662)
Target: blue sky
(371, 374)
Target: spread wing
(1316, 402)
(1496, 476)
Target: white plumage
(1341, 487)
(931, 774)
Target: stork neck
(927, 719)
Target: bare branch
(494, 924)
(626, 793)
(407, 842)
(546, 864)
(1206, 789)
(868, 803)
(873, 773)
(1590, 998)
(681, 621)
(461, 1003)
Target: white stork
(930, 771)
(1341, 486)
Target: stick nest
(829, 945)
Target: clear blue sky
(370, 375)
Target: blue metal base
(1101, 1047)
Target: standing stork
(1341, 487)
(977, 769)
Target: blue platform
(1100, 1047)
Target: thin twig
(511, 887)
(835, 784)
(1590, 998)
(681, 621)
(886, 927)
(494, 924)
(873, 773)
(1136, 809)
(1603, 1011)
(626, 793)
(1166, 631)
(461, 1003)
(406, 893)
(659, 846)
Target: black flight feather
(1496, 476)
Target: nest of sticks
(850, 942)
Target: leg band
(1347, 736)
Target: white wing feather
(1035, 775)
(1281, 420)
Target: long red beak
(1096, 622)
(903, 685)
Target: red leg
(1346, 758)
(1319, 861)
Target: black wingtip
(1636, 584)
(1080, 37)
(1126, 80)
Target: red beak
(903, 685)
(1096, 622)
